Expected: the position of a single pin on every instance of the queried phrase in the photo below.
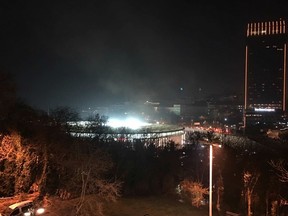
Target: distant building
(265, 72)
(193, 111)
(225, 112)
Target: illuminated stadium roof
(131, 129)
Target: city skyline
(87, 54)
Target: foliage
(195, 191)
(16, 165)
(145, 169)
(37, 154)
(82, 173)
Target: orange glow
(284, 87)
(262, 28)
(246, 76)
(266, 28)
(246, 86)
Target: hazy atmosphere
(87, 53)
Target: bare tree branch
(280, 167)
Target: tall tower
(265, 72)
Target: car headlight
(40, 211)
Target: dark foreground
(134, 206)
(153, 206)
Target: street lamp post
(210, 175)
(210, 179)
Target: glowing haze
(132, 123)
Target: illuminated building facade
(265, 72)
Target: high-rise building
(265, 71)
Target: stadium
(130, 130)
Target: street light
(210, 174)
(210, 180)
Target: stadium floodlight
(132, 123)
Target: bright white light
(115, 123)
(264, 110)
(131, 123)
(40, 211)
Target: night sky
(90, 53)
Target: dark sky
(85, 53)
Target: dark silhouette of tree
(250, 180)
(63, 117)
(7, 98)
(7, 92)
(96, 125)
(281, 168)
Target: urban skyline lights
(265, 68)
(266, 28)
